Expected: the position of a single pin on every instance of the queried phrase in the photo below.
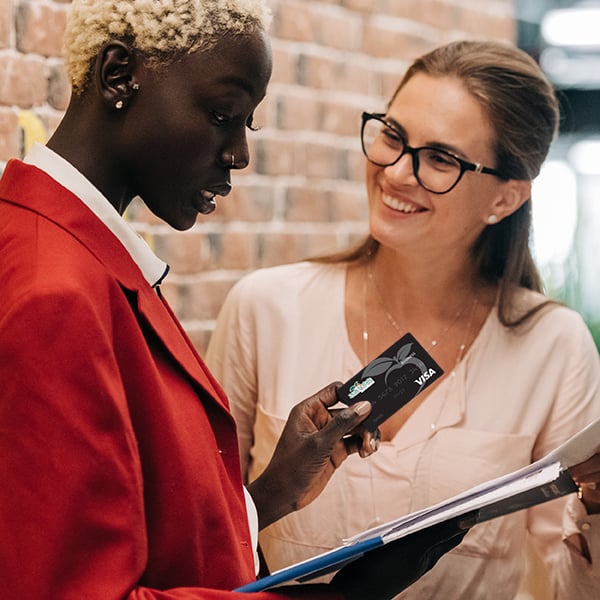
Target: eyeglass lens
(436, 170)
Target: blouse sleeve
(565, 536)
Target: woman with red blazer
(118, 454)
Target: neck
(436, 288)
(86, 144)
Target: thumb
(347, 419)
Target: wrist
(269, 501)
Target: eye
(392, 137)
(438, 159)
(219, 118)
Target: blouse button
(585, 525)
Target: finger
(327, 395)
(368, 443)
(344, 421)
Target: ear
(512, 195)
(114, 74)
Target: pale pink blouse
(281, 336)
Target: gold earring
(119, 104)
(492, 219)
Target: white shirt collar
(153, 268)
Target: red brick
(249, 201)
(265, 114)
(342, 117)
(348, 202)
(355, 164)
(297, 108)
(59, 88)
(366, 6)
(204, 297)
(319, 70)
(234, 249)
(40, 27)
(307, 203)
(6, 22)
(285, 57)
(186, 252)
(285, 246)
(22, 80)
(51, 118)
(391, 38)
(293, 20)
(10, 138)
(337, 27)
(276, 156)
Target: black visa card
(391, 380)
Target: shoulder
(554, 323)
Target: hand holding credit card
(391, 380)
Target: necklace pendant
(433, 343)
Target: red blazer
(119, 471)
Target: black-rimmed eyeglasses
(437, 170)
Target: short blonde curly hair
(162, 30)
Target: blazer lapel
(43, 195)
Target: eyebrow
(238, 82)
(429, 144)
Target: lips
(402, 206)
(206, 202)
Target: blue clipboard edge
(321, 564)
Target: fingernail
(374, 443)
(362, 408)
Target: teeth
(399, 205)
(208, 203)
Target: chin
(182, 224)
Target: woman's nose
(403, 170)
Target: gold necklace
(376, 519)
(365, 333)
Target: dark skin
(171, 135)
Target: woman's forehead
(442, 109)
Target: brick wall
(303, 192)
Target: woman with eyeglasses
(449, 167)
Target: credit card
(391, 380)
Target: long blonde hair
(523, 110)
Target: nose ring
(232, 160)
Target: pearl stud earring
(119, 104)
(492, 219)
